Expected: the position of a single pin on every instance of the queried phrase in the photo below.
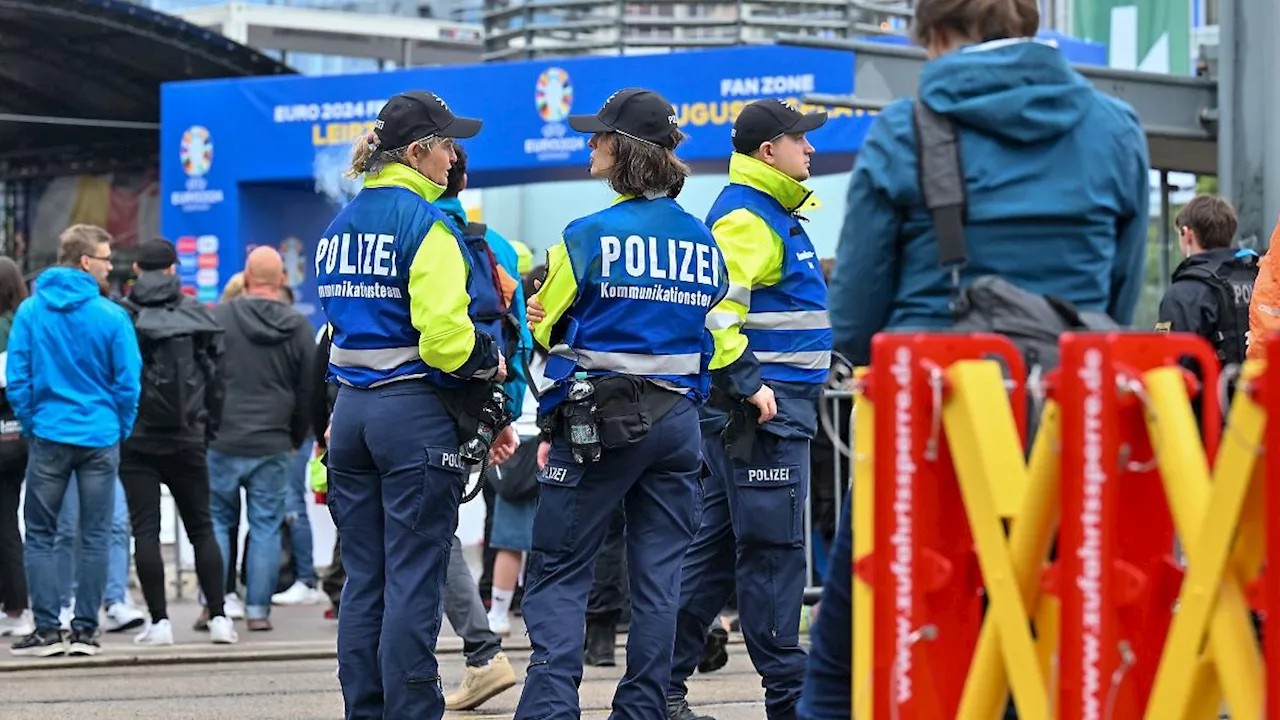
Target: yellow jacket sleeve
(557, 294)
(438, 301)
(753, 255)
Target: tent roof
(86, 74)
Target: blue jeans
(49, 471)
(67, 546)
(826, 693)
(263, 479)
(295, 514)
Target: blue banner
(260, 160)
(222, 140)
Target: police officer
(773, 350)
(625, 302)
(392, 277)
(1212, 287)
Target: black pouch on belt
(627, 406)
(463, 404)
(740, 434)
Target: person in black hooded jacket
(179, 412)
(270, 348)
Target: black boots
(601, 644)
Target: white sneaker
(232, 606)
(501, 626)
(66, 615)
(222, 631)
(123, 616)
(20, 626)
(297, 594)
(159, 633)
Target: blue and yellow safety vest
(644, 275)
(393, 279)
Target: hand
(544, 449)
(326, 436)
(504, 445)
(534, 311)
(767, 404)
(502, 368)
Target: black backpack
(1232, 284)
(990, 304)
(175, 370)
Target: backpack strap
(1228, 329)
(942, 186)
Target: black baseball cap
(764, 120)
(418, 114)
(637, 113)
(157, 254)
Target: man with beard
(79, 350)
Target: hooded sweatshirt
(269, 348)
(182, 315)
(1057, 180)
(73, 365)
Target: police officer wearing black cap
(391, 273)
(773, 352)
(621, 324)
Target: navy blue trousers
(752, 537)
(395, 480)
(658, 480)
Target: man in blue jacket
(73, 381)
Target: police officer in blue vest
(393, 279)
(622, 319)
(773, 351)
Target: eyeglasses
(106, 259)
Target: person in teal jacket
(509, 260)
(1056, 176)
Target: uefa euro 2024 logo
(553, 99)
(553, 95)
(196, 151)
(196, 154)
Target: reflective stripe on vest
(362, 276)
(377, 359)
(647, 274)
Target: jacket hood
(155, 288)
(1022, 90)
(65, 289)
(452, 207)
(264, 321)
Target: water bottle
(584, 435)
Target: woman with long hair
(621, 323)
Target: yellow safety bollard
(863, 530)
(1207, 515)
(988, 458)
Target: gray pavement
(286, 674)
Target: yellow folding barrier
(1207, 514)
